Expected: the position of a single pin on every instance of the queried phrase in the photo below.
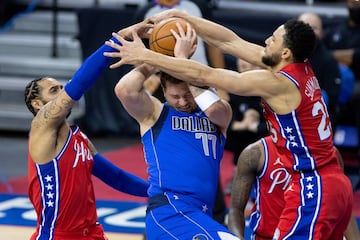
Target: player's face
(179, 97)
(50, 88)
(274, 47)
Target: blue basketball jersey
(183, 152)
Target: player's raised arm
(130, 90)
(218, 36)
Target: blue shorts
(173, 216)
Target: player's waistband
(170, 197)
(85, 232)
(156, 201)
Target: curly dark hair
(32, 91)
(300, 39)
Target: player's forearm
(89, 72)
(236, 222)
(212, 33)
(133, 82)
(118, 178)
(242, 185)
(127, 32)
(216, 57)
(218, 110)
(224, 39)
(237, 208)
(180, 68)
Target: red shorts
(318, 205)
(92, 233)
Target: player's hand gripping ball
(161, 39)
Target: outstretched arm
(137, 101)
(217, 109)
(88, 73)
(48, 128)
(217, 35)
(250, 83)
(95, 64)
(244, 178)
(118, 178)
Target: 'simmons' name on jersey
(192, 124)
(311, 86)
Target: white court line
(8, 232)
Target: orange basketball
(161, 39)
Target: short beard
(268, 61)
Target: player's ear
(37, 104)
(286, 53)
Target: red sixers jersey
(62, 191)
(271, 183)
(304, 134)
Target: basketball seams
(165, 43)
(161, 28)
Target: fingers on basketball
(161, 39)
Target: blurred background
(53, 37)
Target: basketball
(161, 39)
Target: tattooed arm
(53, 103)
(246, 171)
(49, 128)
